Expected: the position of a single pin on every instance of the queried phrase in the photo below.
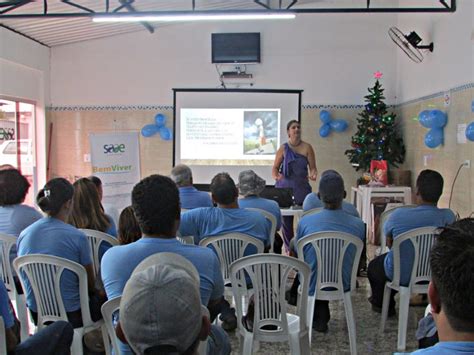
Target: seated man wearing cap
(189, 196)
(331, 218)
(250, 186)
(155, 201)
(160, 309)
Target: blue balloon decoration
(325, 130)
(470, 131)
(425, 119)
(160, 120)
(434, 137)
(149, 130)
(438, 119)
(165, 133)
(339, 125)
(324, 116)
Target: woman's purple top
(295, 174)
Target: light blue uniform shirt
(5, 309)
(264, 204)
(211, 221)
(312, 201)
(53, 237)
(330, 220)
(191, 198)
(404, 219)
(449, 348)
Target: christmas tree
(377, 137)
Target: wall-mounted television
(236, 47)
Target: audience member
(155, 201)
(312, 201)
(14, 215)
(128, 228)
(250, 186)
(331, 218)
(160, 309)
(110, 209)
(55, 339)
(429, 187)
(451, 290)
(53, 236)
(189, 196)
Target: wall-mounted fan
(409, 44)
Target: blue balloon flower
(149, 130)
(324, 116)
(438, 119)
(425, 119)
(325, 130)
(160, 120)
(470, 131)
(434, 137)
(165, 133)
(339, 125)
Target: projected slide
(229, 134)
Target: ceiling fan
(409, 43)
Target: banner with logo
(115, 159)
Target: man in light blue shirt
(331, 218)
(429, 187)
(155, 201)
(189, 196)
(312, 201)
(451, 289)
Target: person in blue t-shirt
(250, 186)
(429, 187)
(189, 196)
(331, 218)
(312, 201)
(52, 236)
(451, 289)
(155, 202)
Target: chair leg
(106, 340)
(247, 344)
(386, 301)
(309, 316)
(403, 317)
(76, 347)
(351, 327)
(22, 316)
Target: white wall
(451, 63)
(331, 57)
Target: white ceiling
(63, 30)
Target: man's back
(191, 198)
(263, 204)
(312, 201)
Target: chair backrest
(6, 273)
(44, 273)
(330, 248)
(383, 218)
(266, 277)
(3, 337)
(95, 239)
(107, 310)
(312, 211)
(231, 247)
(422, 240)
(273, 222)
(186, 239)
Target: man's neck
(447, 333)
(234, 204)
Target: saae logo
(114, 148)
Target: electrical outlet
(467, 163)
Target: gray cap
(331, 187)
(161, 304)
(250, 183)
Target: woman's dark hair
(128, 228)
(288, 125)
(97, 181)
(54, 195)
(13, 187)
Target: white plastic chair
(107, 310)
(44, 273)
(6, 275)
(272, 220)
(330, 248)
(229, 248)
(383, 218)
(187, 239)
(3, 337)
(312, 211)
(422, 240)
(95, 239)
(268, 274)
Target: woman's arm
(276, 165)
(313, 171)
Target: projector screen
(232, 130)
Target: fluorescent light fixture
(197, 17)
